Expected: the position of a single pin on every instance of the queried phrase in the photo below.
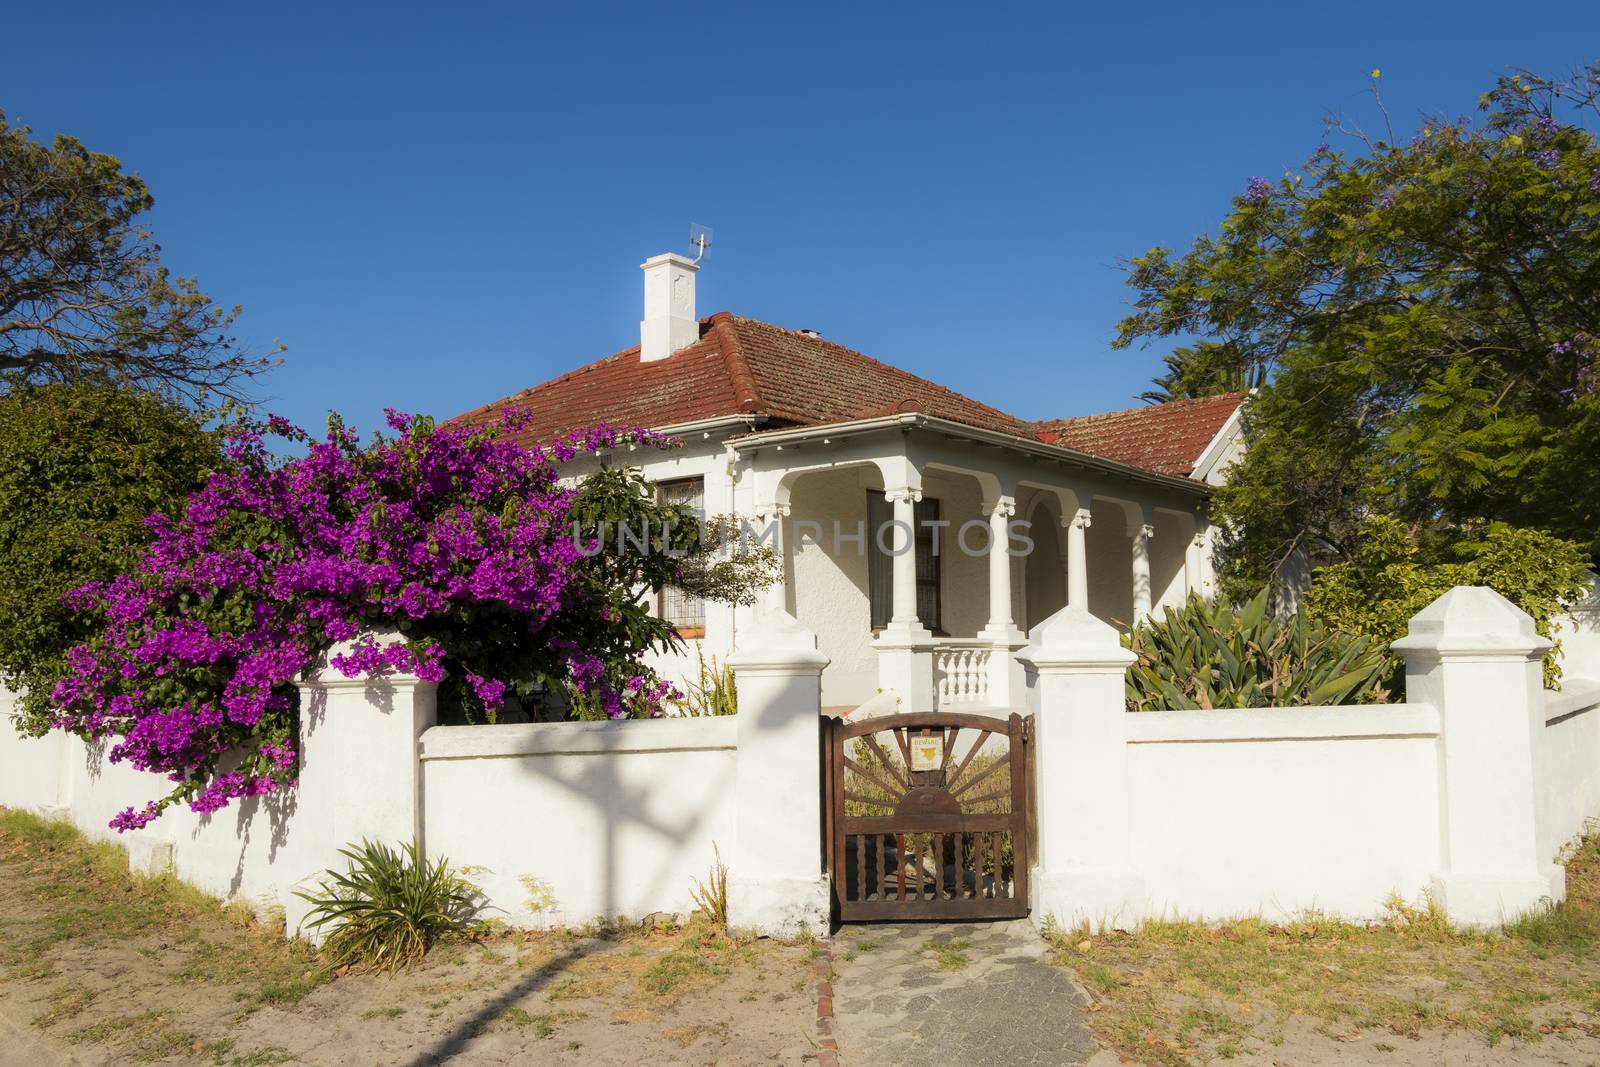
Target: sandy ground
(553, 1001)
(93, 975)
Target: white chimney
(669, 320)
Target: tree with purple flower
(452, 552)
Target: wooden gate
(928, 816)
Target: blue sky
(436, 205)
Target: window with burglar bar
(687, 613)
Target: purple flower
(1549, 159)
(1256, 190)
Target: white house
(826, 447)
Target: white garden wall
(1279, 811)
(1470, 792)
(1569, 751)
(250, 851)
(563, 822)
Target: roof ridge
(738, 364)
(1167, 405)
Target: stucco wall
(1283, 811)
(563, 822)
(1569, 787)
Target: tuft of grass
(64, 1004)
(947, 955)
(711, 896)
(543, 1024)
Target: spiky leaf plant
(390, 907)
(1202, 656)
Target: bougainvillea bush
(458, 542)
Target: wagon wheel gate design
(928, 816)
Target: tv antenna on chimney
(699, 240)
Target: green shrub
(1389, 579)
(1201, 656)
(390, 907)
(81, 466)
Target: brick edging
(822, 971)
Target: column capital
(902, 493)
(1005, 507)
(1142, 531)
(776, 509)
(1080, 519)
(1199, 539)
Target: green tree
(1204, 369)
(81, 466)
(1387, 580)
(82, 288)
(1426, 314)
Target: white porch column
(1084, 865)
(771, 516)
(905, 556)
(1005, 640)
(1141, 570)
(905, 647)
(1077, 561)
(1194, 565)
(1002, 624)
(1475, 656)
(775, 883)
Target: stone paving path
(927, 994)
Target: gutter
(906, 422)
(721, 422)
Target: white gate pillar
(1084, 868)
(1475, 656)
(360, 767)
(776, 884)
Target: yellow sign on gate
(927, 752)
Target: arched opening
(1044, 570)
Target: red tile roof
(1168, 438)
(742, 366)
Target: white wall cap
(1472, 619)
(777, 639)
(1074, 638)
(320, 674)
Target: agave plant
(390, 907)
(1202, 656)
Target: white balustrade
(961, 673)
